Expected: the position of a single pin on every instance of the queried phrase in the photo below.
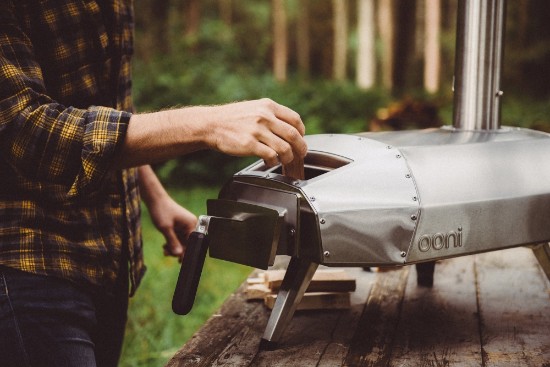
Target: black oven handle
(190, 273)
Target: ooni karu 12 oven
(389, 198)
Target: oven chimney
(478, 61)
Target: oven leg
(297, 278)
(542, 253)
(425, 274)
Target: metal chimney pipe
(478, 60)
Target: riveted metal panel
(366, 209)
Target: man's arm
(172, 220)
(261, 128)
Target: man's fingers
(291, 117)
(173, 246)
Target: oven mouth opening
(315, 164)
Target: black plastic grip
(190, 273)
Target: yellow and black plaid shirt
(65, 105)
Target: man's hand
(174, 221)
(262, 128)
(176, 224)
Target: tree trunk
(226, 11)
(366, 60)
(303, 44)
(432, 53)
(192, 17)
(386, 30)
(340, 24)
(280, 41)
(404, 45)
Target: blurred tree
(366, 55)
(322, 36)
(280, 40)
(153, 16)
(226, 11)
(432, 42)
(404, 45)
(192, 16)
(385, 28)
(303, 43)
(340, 27)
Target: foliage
(207, 77)
(154, 333)
(223, 63)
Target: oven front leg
(297, 278)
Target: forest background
(345, 65)
(339, 63)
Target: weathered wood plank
(338, 348)
(375, 331)
(393, 322)
(232, 334)
(515, 309)
(439, 325)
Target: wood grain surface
(488, 309)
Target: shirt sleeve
(40, 138)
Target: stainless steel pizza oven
(390, 198)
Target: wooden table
(488, 309)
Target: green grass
(154, 333)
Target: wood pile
(329, 289)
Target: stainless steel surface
(364, 208)
(479, 51)
(405, 197)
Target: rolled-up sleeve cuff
(104, 133)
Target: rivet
(398, 156)
(312, 198)
(323, 221)
(414, 198)
(500, 93)
(292, 232)
(403, 254)
(408, 175)
(326, 253)
(413, 217)
(460, 229)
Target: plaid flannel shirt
(65, 105)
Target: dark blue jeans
(46, 321)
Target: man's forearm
(262, 128)
(158, 136)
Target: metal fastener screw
(408, 176)
(398, 156)
(413, 217)
(403, 254)
(292, 232)
(460, 229)
(326, 253)
(415, 198)
(312, 198)
(388, 147)
(323, 221)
